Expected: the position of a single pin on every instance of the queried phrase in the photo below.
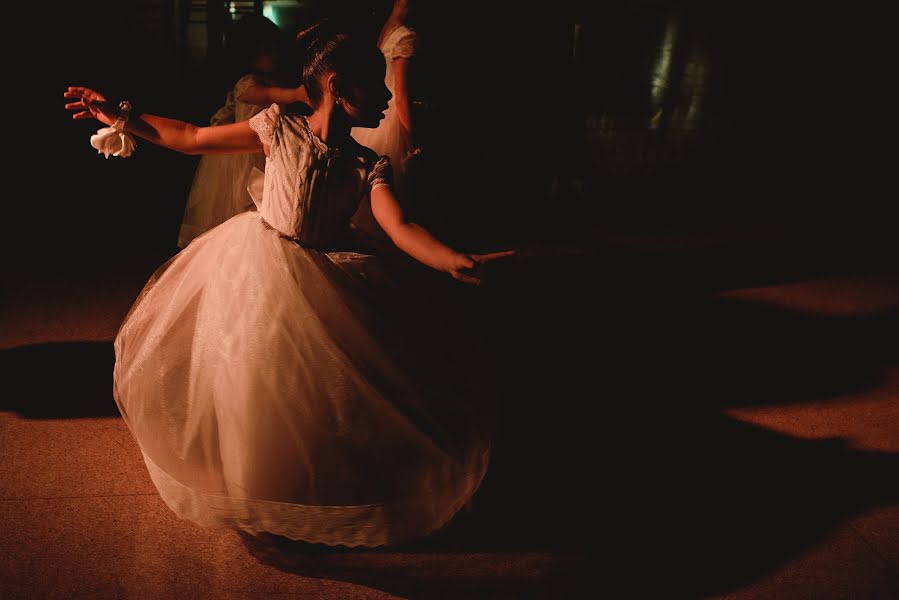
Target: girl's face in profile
(369, 96)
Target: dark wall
(533, 133)
(77, 206)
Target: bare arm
(236, 138)
(265, 95)
(420, 244)
(168, 133)
(401, 93)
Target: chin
(374, 122)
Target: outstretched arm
(168, 133)
(265, 95)
(420, 244)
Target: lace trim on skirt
(368, 525)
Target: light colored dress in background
(388, 139)
(219, 189)
(275, 383)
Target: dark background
(774, 126)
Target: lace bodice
(312, 190)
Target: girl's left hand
(91, 105)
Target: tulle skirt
(218, 192)
(279, 389)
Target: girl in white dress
(219, 189)
(393, 136)
(270, 381)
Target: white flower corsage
(115, 140)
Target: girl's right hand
(469, 268)
(91, 105)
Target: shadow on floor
(689, 512)
(59, 381)
(435, 572)
(611, 442)
(615, 437)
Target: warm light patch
(842, 296)
(867, 421)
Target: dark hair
(247, 37)
(328, 48)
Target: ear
(335, 86)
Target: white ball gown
(273, 387)
(219, 189)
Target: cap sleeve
(405, 46)
(265, 122)
(381, 173)
(243, 84)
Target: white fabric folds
(114, 141)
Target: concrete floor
(722, 441)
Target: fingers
(88, 103)
(465, 278)
(482, 258)
(469, 270)
(77, 91)
(84, 93)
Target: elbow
(395, 232)
(402, 235)
(190, 143)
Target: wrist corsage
(115, 140)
